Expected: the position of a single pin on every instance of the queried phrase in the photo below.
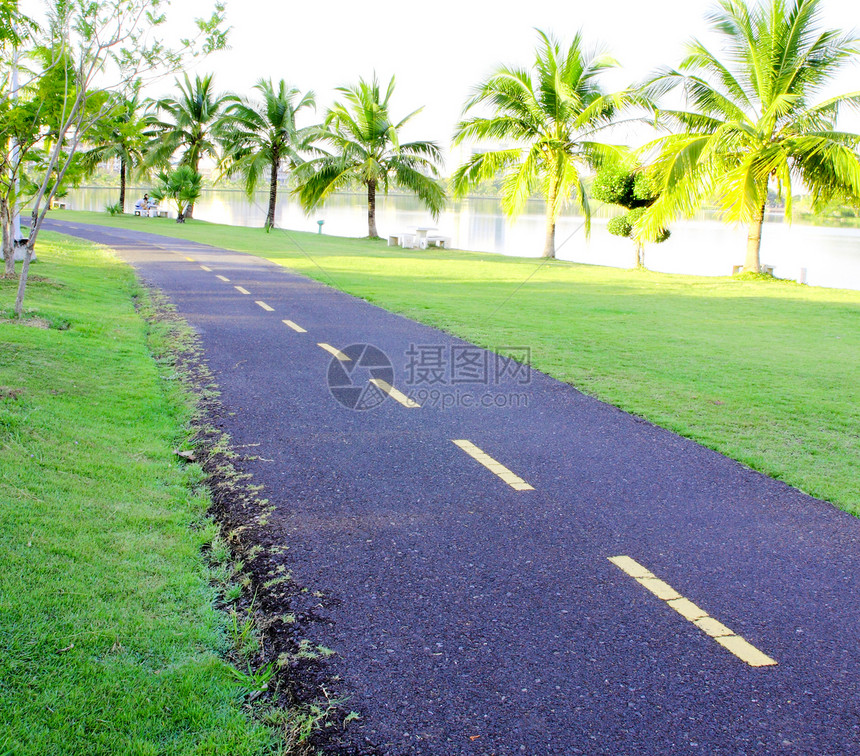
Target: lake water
(831, 256)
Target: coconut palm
(262, 136)
(753, 122)
(192, 124)
(122, 134)
(549, 117)
(366, 150)
(182, 187)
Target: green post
(320, 224)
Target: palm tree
(367, 150)
(122, 133)
(181, 186)
(193, 124)
(549, 117)
(263, 135)
(752, 121)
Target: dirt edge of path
(288, 684)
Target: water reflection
(831, 256)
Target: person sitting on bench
(141, 207)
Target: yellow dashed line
(241, 290)
(190, 259)
(208, 270)
(398, 396)
(223, 278)
(514, 481)
(336, 352)
(740, 647)
(265, 306)
(294, 326)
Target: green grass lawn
(109, 642)
(763, 371)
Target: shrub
(645, 188)
(620, 226)
(182, 186)
(613, 184)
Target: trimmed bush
(620, 226)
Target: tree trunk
(371, 210)
(273, 194)
(8, 241)
(189, 211)
(549, 245)
(640, 255)
(22, 282)
(753, 262)
(122, 170)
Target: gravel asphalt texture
(472, 618)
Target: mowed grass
(766, 372)
(109, 642)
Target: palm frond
(481, 167)
(521, 182)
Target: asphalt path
(472, 614)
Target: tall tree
(366, 150)
(261, 136)
(16, 127)
(122, 134)
(191, 124)
(753, 120)
(549, 117)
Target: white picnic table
(420, 238)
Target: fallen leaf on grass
(67, 648)
(185, 454)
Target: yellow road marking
(294, 326)
(336, 352)
(190, 259)
(740, 647)
(223, 278)
(514, 481)
(241, 290)
(265, 306)
(208, 270)
(745, 650)
(398, 396)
